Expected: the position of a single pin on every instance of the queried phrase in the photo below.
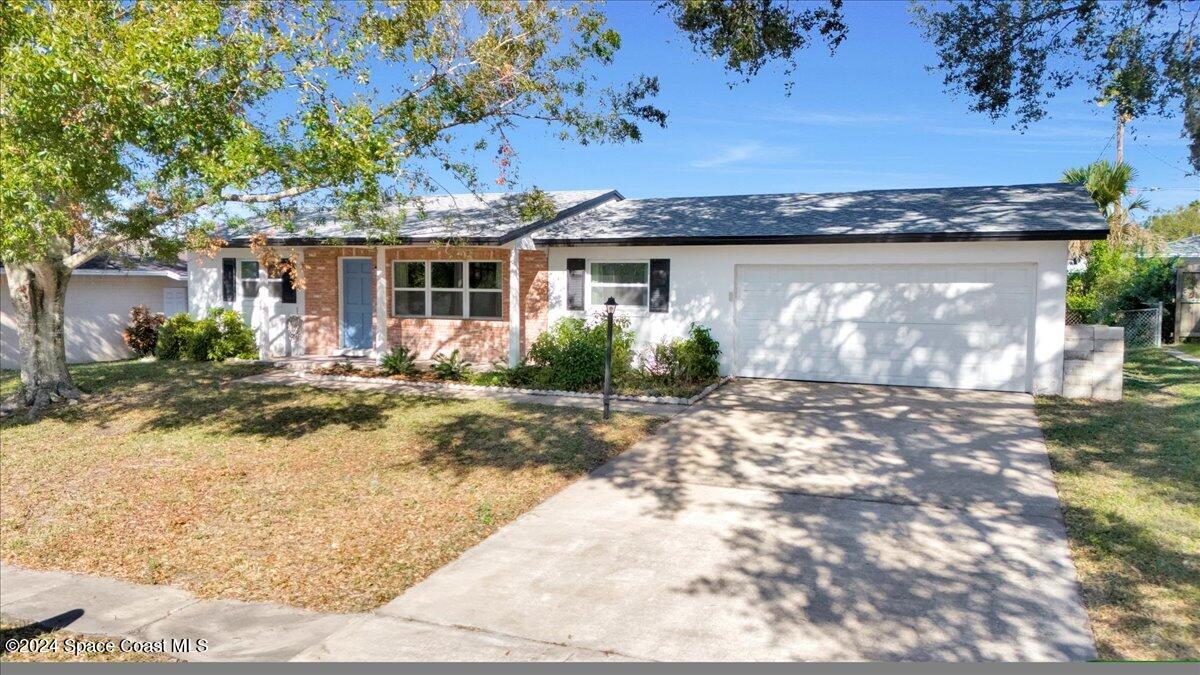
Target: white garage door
(960, 326)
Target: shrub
(450, 367)
(400, 361)
(172, 336)
(233, 339)
(142, 332)
(699, 355)
(685, 360)
(220, 335)
(1118, 278)
(570, 355)
(502, 374)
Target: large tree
(143, 124)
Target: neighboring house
(952, 287)
(100, 295)
(1187, 286)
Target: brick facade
(478, 340)
(535, 296)
(321, 299)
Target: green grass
(1192, 348)
(172, 473)
(1128, 474)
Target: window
(408, 294)
(446, 280)
(626, 282)
(447, 289)
(248, 276)
(484, 281)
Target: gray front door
(357, 304)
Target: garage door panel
(933, 325)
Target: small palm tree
(1109, 184)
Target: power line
(1164, 161)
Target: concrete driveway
(792, 521)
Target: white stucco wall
(97, 312)
(703, 285)
(267, 315)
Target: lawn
(1128, 475)
(170, 473)
(1192, 348)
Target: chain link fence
(1143, 327)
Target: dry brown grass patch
(335, 501)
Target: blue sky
(869, 117)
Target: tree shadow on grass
(570, 443)
(456, 435)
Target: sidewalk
(254, 631)
(1182, 356)
(284, 377)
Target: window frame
(465, 290)
(589, 304)
(396, 288)
(257, 280)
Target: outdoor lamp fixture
(610, 307)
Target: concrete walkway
(250, 631)
(771, 522)
(1183, 356)
(285, 377)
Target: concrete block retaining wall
(1093, 362)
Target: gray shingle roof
(487, 218)
(131, 264)
(1045, 211)
(1188, 247)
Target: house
(1187, 286)
(100, 295)
(949, 287)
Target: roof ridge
(1069, 186)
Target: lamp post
(610, 306)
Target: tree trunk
(1121, 119)
(38, 290)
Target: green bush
(220, 335)
(699, 355)
(400, 361)
(450, 367)
(172, 336)
(570, 355)
(1119, 278)
(695, 358)
(504, 375)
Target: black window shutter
(575, 268)
(660, 285)
(288, 292)
(228, 279)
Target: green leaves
(138, 122)
(1011, 57)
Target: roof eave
(906, 237)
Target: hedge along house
(950, 287)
